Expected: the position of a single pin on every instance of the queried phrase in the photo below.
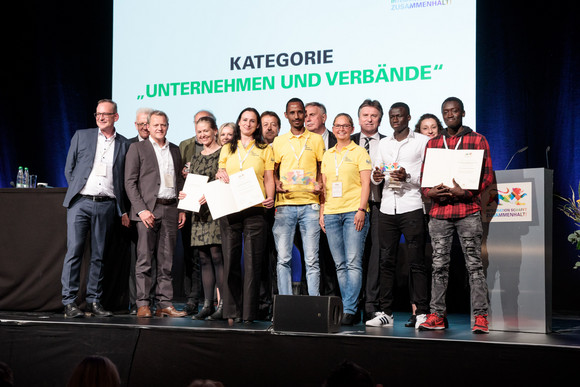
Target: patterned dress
(205, 230)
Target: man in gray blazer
(153, 179)
(131, 233)
(94, 171)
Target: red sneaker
(480, 325)
(434, 322)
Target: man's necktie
(367, 144)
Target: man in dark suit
(370, 113)
(94, 171)
(153, 179)
(142, 134)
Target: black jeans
(411, 225)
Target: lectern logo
(507, 202)
(513, 195)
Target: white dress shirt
(409, 154)
(100, 181)
(166, 170)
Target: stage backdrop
(227, 55)
(58, 63)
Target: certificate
(193, 187)
(243, 191)
(444, 165)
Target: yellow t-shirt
(350, 160)
(298, 157)
(251, 156)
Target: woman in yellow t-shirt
(346, 173)
(247, 228)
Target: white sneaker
(421, 318)
(381, 319)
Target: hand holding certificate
(444, 166)
(193, 188)
(242, 191)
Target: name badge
(337, 189)
(169, 180)
(101, 169)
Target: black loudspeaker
(320, 314)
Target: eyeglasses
(343, 126)
(141, 124)
(104, 114)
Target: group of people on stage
(313, 179)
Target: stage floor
(42, 349)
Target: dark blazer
(79, 164)
(331, 139)
(142, 177)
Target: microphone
(547, 161)
(519, 151)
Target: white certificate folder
(193, 187)
(444, 165)
(243, 191)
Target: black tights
(212, 268)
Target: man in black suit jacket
(370, 114)
(94, 171)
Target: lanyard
(456, 146)
(336, 165)
(245, 157)
(301, 152)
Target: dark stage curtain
(57, 63)
(528, 95)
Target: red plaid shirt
(471, 203)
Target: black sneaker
(412, 321)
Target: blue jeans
(470, 232)
(347, 247)
(286, 218)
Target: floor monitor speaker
(320, 314)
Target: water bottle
(26, 178)
(20, 177)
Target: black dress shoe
(191, 308)
(133, 310)
(97, 310)
(219, 312)
(206, 311)
(347, 319)
(72, 311)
